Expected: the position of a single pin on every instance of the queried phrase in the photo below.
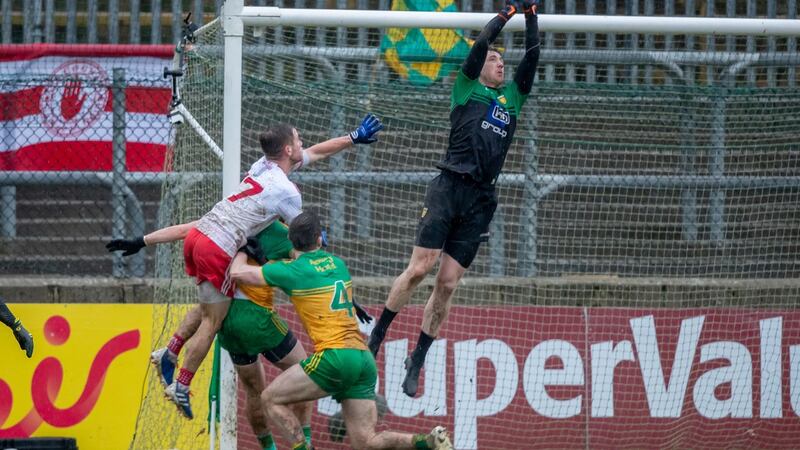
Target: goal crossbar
(274, 16)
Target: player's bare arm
(243, 273)
(167, 234)
(364, 134)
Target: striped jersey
(320, 287)
(264, 195)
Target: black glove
(514, 6)
(253, 251)
(529, 6)
(361, 313)
(24, 338)
(130, 246)
(370, 125)
(511, 7)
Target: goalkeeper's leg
(432, 233)
(436, 310)
(421, 263)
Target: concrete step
(55, 265)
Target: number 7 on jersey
(255, 189)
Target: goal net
(639, 286)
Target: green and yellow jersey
(274, 241)
(320, 287)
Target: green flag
(419, 54)
(213, 386)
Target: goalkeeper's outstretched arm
(527, 67)
(477, 55)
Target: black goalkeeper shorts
(456, 216)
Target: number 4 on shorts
(341, 300)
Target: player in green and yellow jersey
(252, 327)
(320, 288)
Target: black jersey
(482, 124)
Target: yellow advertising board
(86, 379)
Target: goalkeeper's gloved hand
(361, 313)
(511, 7)
(529, 6)
(365, 132)
(24, 338)
(253, 250)
(130, 246)
(514, 6)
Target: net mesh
(639, 287)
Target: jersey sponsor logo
(322, 265)
(499, 114)
(497, 119)
(488, 126)
(502, 99)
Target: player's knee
(418, 270)
(360, 437)
(446, 285)
(267, 398)
(251, 387)
(211, 324)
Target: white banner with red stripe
(56, 106)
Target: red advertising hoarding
(599, 378)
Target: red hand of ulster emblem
(73, 99)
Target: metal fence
(55, 222)
(159, 21)
(78, 151)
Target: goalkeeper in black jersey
(461, 201)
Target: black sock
(6, 317)
(421, 350)
(387, 316)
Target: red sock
(185, 377)
(175, 344)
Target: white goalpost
(648, 203)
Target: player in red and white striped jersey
(263, 196)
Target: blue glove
(365, 132)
